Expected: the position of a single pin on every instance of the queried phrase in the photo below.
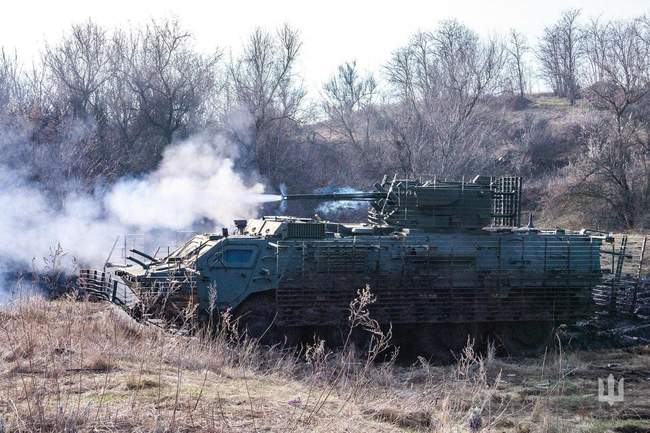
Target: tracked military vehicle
(445, 260)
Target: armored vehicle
(444, 259)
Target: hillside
(70, 365)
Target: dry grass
(78, 366)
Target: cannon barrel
(351, 196)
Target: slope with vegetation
(102, 104)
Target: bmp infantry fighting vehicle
(444, 260)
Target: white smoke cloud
(31, 227)
(3, 291)
(194, 182)
(334, 207)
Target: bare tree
(608, 181)
(10, 80)
(623, 64)
(595, 48)
(354, 122)
(517, 48)
(264, 86)
(560, 54)
(609, 176)
(80, 65)
(612, 167)
(348, 103)
(122, 98)
(438, 81)
(172, 82)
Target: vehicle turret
(435, 205)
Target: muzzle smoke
(334, 207)
(193, 184)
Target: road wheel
(526, 338)
(441, 342)
(257, 318)
(454, 337)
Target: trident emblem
(610, 397)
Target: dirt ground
(80, 366)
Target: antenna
(108, 259)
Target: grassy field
(77, 366)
